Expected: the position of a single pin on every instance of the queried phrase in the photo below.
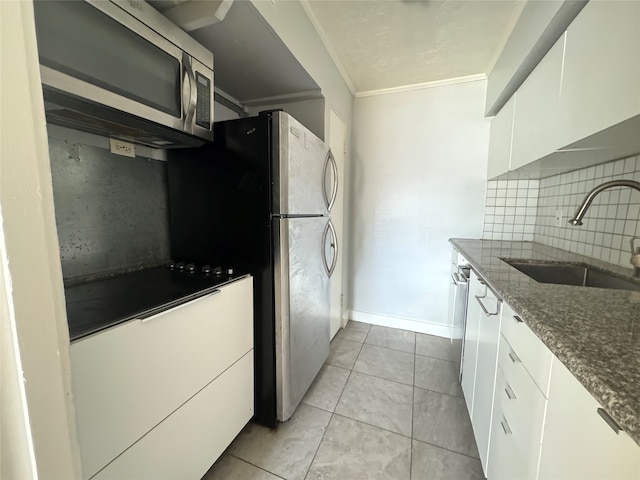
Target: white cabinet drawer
(187, 443)
(127, 379)
(533, 354)
(505, 460)
(523, 405)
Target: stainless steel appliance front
(301, 308)
(122, 69)
(458, 298)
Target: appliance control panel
(203, 102)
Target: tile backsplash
(510, 210)
(611, 220)
(608, 226)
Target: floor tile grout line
(254, 465)
(383, 378)
(413, 407)
(447, 449)
(390, 348)
(371, 425)
(435, 391)
(435, 358)
(333, 413)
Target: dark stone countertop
(594, 332)
(101, 303)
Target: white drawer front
(191, 439)
(523, 405)
(535, 356)
(505, 460)
(129, 378)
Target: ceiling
(377, 44)
(393, 43)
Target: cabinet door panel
(535, 125)
(129, 378)
(577, 443)
(470, 353)
(601, 77)
(190, 440)
(500, 140)
(489, 332)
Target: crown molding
(420, 86)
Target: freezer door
(301, 308)
(300, 163)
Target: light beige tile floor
(386, 405)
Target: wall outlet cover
(120, 147)
(559, 218)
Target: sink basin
(581, 275)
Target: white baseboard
(401, 323)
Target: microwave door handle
(189, 91)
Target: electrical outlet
(559, 217)
(120, 147)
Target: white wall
(221, 113)
(420, 162)
(32, 304)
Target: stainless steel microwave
(121, 69)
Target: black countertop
(102, 303)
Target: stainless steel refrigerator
(259, 200)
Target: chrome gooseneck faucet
(577, 218)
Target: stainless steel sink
(582, 275)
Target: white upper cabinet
(500, 140)
(601, 76)
(536, 124)
(583, 94)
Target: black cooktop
(96, 305)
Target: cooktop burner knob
(217, 270)
(172, 265)
(229, 271)
(180, 265)
(191, 267)
(207, 269)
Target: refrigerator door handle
(334, 168)
(334, 248)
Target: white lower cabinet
(577, 443)
(186, 443)
(470, 355)
(130, 378)
(486, 362)
(540, 422)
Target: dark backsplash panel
(111, 211)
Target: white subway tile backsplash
(526, 209)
